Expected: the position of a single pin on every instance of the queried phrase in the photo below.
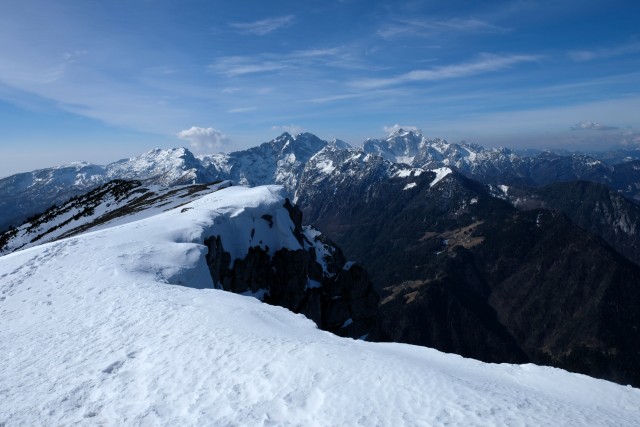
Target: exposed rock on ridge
(315, 281)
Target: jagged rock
(337, 296)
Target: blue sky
(102, 80)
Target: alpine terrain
(125, 323)
(491, 254)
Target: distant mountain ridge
(286, 159)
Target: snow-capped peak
(340, 144)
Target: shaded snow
(94, 333)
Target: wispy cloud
(486, 63)
(264, 26)
(591, 126)
(337, 57)
(203, 138)
(70, 56)
(233, 66)
(429, 28)
(241, 110)
(395, 128)
(291, 129)
(333, 98)
(590, 55)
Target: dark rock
(342, 301)
(465, 272)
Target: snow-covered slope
(116, 202)
(94, 330)
(165, 167)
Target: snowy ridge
(94, 333)
(116, 202)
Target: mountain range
(285, 159)
(126, 323)
(482, 252)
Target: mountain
(279, 161)
(503, 166)
(591, 206)
(464, 271)
(285, 159)
(122, 326)
(31, 193)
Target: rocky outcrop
(315, 281)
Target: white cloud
(264, 26)
(333, 98)
(233, 66)
(342, 57)
(241, 110)
(486, 63)
(395, 128)
(591, 126)
(589, 55)
(430, 28)
(291, 129)
(203, 138)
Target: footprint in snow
(114, 367)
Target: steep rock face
(315, 280)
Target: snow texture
(94, 331)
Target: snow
(325, 166)
(406, 172)
(322, 251)
(410, 186)
(440, 174)
(158, 199)
(94, 331)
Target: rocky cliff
(315, 281)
